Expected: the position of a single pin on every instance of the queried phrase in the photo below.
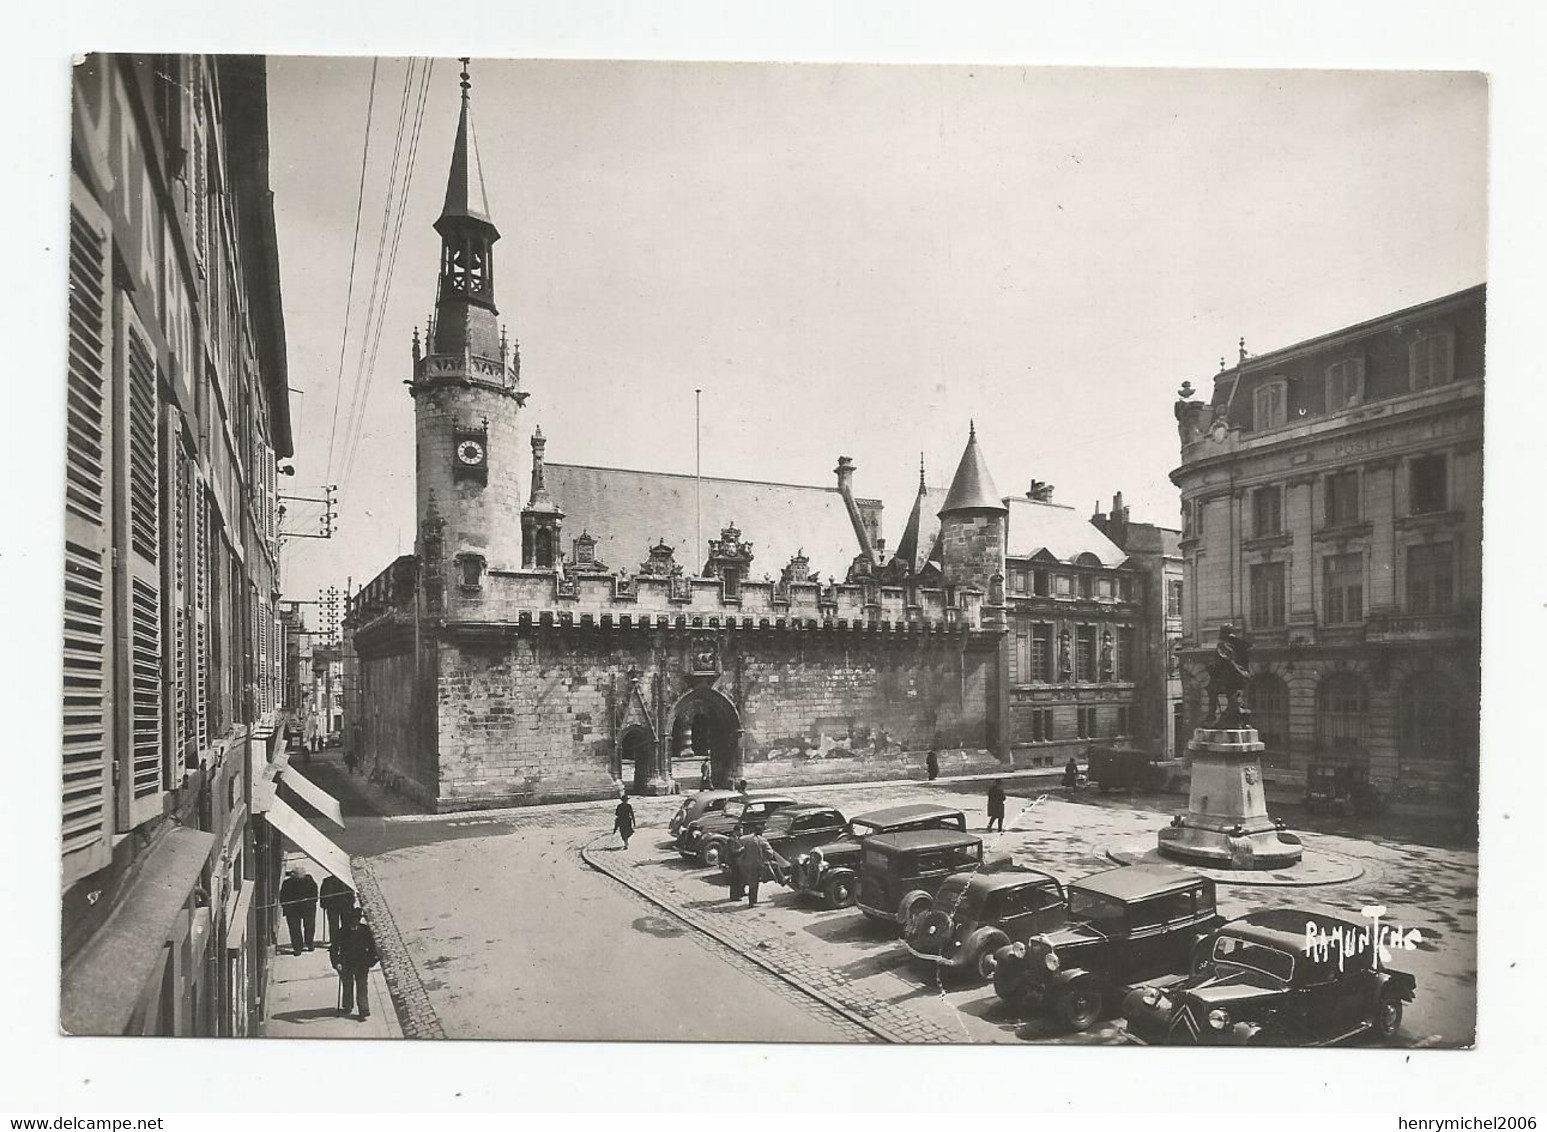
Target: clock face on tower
(470, 453)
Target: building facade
(613, 628)
(176, 413)
(1332, 506)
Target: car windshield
(861, 828)
(1102, 911)
(1256, 956)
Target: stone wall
(534, 716)
(398, 719)
(972, 548)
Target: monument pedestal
(1227, 824)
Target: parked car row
(1144, 942)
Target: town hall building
(566, 631)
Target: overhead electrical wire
(369, 365)
(354, 248)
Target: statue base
(1227, 824)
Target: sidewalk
(303, 1001)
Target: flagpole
(698, 519)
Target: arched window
(1428, 725)
(1268, 697)
(1341, 708)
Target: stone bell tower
(466, 390)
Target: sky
(852, 260)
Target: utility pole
(698, 508)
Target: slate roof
(1062, 531)
(919, 544)
(628, 511)
(972, 488)
(465, 195)
(1170, 543)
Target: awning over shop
(236, 928)
(104, 983)
(314, 795)
(264, 773)
(309, 840)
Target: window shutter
(141, 677)
(200, 615)
(87, 699)
(185, 664)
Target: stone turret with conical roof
(972, 524)
(466, 387)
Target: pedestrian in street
(336, 899)
(996, 798)
(753, 854)
(705, 776)
(1071, 774)
(353, 954)
(741, 786)
(298, 901)
(623, 820)
(932, 764)
(352, 760)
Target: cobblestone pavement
(840, 957)
(864, 968)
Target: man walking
(623, 820)
(752, 855)
(337, 898)
(298, 901)
(996, 798)
(354, 954)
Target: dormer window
(1431, 360)
(470, 569)
(730, 578)
(1270, 405)
(1345, 385)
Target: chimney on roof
(1119, 511)
(845, 473)
(1040, 492)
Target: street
(538, 924)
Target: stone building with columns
(1332, 507)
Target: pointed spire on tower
(466, 197)
(973, 488)
(921, 473)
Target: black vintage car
(750, 811)
(831, 869)
(788, 831)
(1124, 926)
(901, 872)
(1256, 982)
(975, 915)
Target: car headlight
(1050, 960)
(1149, 996)
(801, 859)
(695, 834)
(1018, 950)
(1218, 1019)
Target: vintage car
(749, 810)
(1120, 768)
(831, 869)
(695, 806)
(1341, 789)
(975, 915)
(1124, 926)
(901, 872)
(788, 831)
(1256, 982)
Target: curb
(415, 1013)
(836, 1007)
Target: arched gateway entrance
(704, 724)
(636, 759)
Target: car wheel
(1388, 1016)
(912, 909)
(1079, 1006)
(711, 857)
(983, 953)
(839, 892)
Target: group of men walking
(351, 945)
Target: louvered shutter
(184, 666)
(139, 543)
(201, 615)
(88, 622)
